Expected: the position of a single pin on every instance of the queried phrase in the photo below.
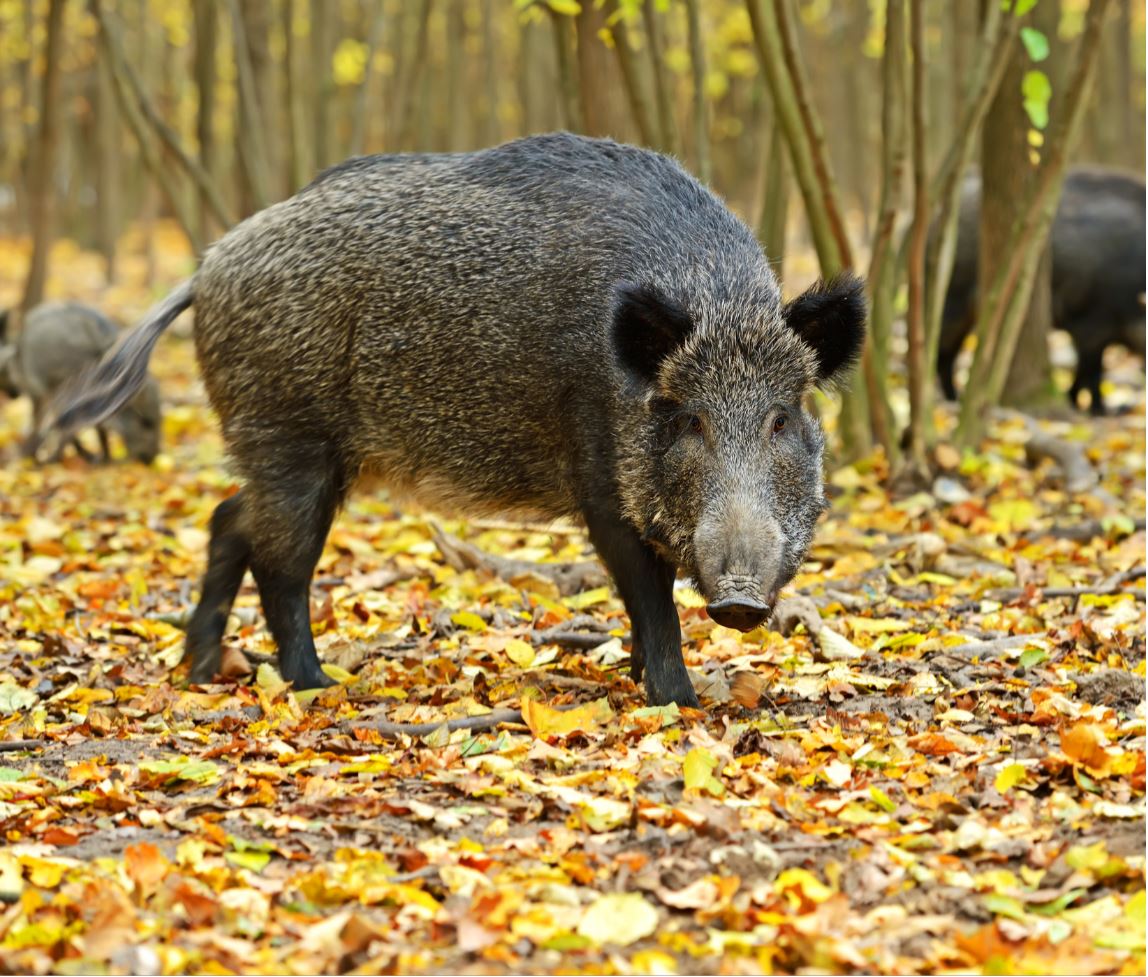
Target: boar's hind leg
(289, 521)
(227, 557)
(646, 583)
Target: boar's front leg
(646, 583)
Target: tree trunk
(1007, 174)
(492, 126)
(567, 86)
(206, 41)
(894, 106)
(700, 102)
(636, 93)
(320, 81)
(41, 202)
(456, 76)
(359, 110)
(256, 102)
(667, 129)
(594, 81)
(108, 168)
(1004, 299)
(300, 161)
(919, 401)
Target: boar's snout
(742, 612)
(739, 565)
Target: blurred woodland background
(839, 129)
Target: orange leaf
(1085, 744)
(146, 866)
(545, 722)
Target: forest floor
(947, 776)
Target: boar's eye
(779, 423)
(683, 424)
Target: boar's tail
(97, 393)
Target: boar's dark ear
(830, 317)
(647, 328)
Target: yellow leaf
(698, 768)
(878, 625)
(1013, 513)
(340, 675)
(520, 652)
(587, 598)
(468, 620)
(1009, 776)
(688, 597)
(803, 883)
(1087, 856)
(653, 962)
(545, 722)
(620, 918)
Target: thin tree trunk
(206, 41)
(320, 81)
(456, 75)
(249, 139)
(997, 42)
(41, 201)
(491, 124)
(131, 88)
(594, 81)
(107, 168)
(820, 197)
(667, 130)
(408, 81)
(301, 163)
(1005, 300)
(700, 102)
(571, 113)
(875, 359)
(133, 113)
(811, 122)
(919, 402)
(775, 204)
(362, 94)
(636, 94)
(1030, 383)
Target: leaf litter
(939, 765)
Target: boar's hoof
(741, 613)
(671, 689)
(308, 678)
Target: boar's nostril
(738, 612)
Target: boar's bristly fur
(556, 326)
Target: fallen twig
(569, 578)
(1083, 531)
(18, 746)
(1101, 589)
(1079, 475)
(476, 723)
(979, 649)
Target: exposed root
(569, 578)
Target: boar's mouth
(738, 602)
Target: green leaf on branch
(1035, 43)
(1036, 91)
(571, 8)
(1022, 6)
